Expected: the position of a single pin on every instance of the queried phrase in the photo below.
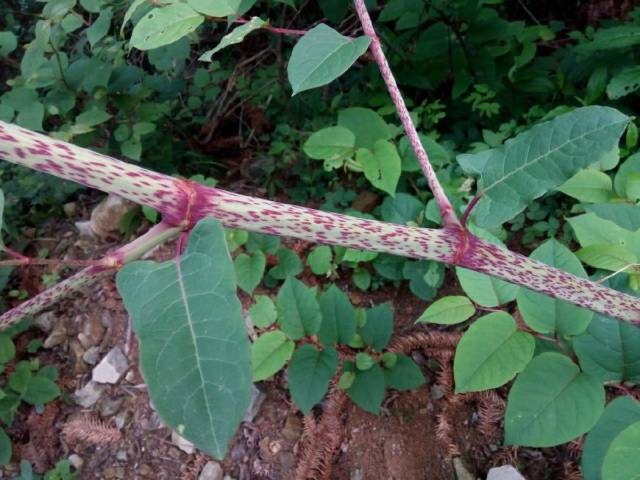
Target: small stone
(182, 443)
(121, 455)
(111, 367)
(120, 420)
(57, 336)
(461, 471)
(292, 429)
(211, 471)
(257, 397)
(92, 330)
(130, 376)
(505, 472)
(88, 395)
(76, 461)
(92, 355)
(437, 392)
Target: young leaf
(621, 460)
(5, 448)
(263, 312)
(40, 390)
(379, 327)
(249, 270)
(194, 351)
(162, 26)
(333, 144)
(367, 126)
(321, 56)
(364, 361)
(588, 185)
(448, 311)
(269, 353)
(367, 389)
(610, 350)
(309, 373)
(338, 317)
(289, 265)
(619, 414)
(491, 353)
(404, 374)
(319, 260)
(235, 36)
(382, 166)
(548, 315)
(569, 404)
(542, 159)
(298, 309)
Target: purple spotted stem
(182, 203)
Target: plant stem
(446, 209)
(182, 203)
(155, 236)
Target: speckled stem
(183, 203)
(446, 209)
(132, 251)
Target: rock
(182, 443)
(111, 368)
(505, 472)
(121, 455)
(211, 471)
(92, 331)
(92, 355)
(76, 461)
(57, 336)
(45, 321)
(461, 471)
(106, 217)
(88, 395)
(257, 397)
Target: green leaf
(162, 26)
(92, 117)
(364, 361)
(610, 350)
(7, 348)
(8, 43)
(40, 390)
(366, 125)
(333, 144)
(263, 312)
(298, 309)
(569, 404)
(319, 260)
(438, 156)
(490, 353)
(588, 185)
(628, 167)
(607, 257)
(619, 414)
(269, 353)
(321, 56)
(289, 265)
(249, 270)
(609, 38)
(590, 230)
(621, 460)
(543, 158)
(129, 13)
(622, 214)
(401, 209)
(219, 8)
(132, 148)
(379, 327)
(309, 374)
(382, 166)
(404, 374)
(5, 448)
(448, 311)
(194, 352)
(549, 315)
(346, 380)
(367, 389)
(100, 27)
(19, 379)
(235, 36)
(338, 317)
(361, 278)
(624, 83)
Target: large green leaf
(592, 230)
(491, 353)
(338, 317)
(235, 36)
(194, 351)
(162, 26)
(269, 353)
(366, 125)
(381, 166)
(298, 309)
(622, 214)
(541, 159)
(309, 374)
(618, 415)
(321, 56)
(551, 402)
(588, 185)
(549, 315)
(610, 350)
(332, 144)
(621, 460)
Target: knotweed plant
(194, 351)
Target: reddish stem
(281, 31)
(43, 261)
(467, 211)
(446, 209)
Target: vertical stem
(446, 209)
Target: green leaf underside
(541, 159)
(270, 352)
(448, 311)
(491, 353)
(194, 351)
(321, 56)
(162, 26)
(621, 460)
(310, 372)
(548, 315)
(619, 414)
(235, 36)
(610, 350)
(569, 404)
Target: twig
(446, 209)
